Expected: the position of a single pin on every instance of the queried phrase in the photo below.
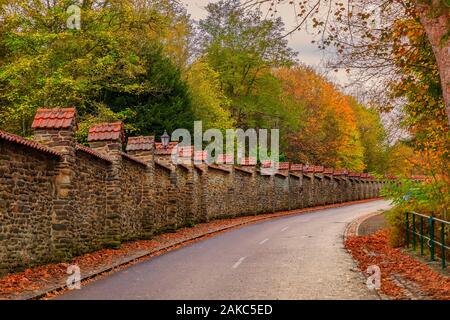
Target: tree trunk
(436, 28)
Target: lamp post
(165, 138)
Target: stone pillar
(248, 165)
(340, 178)
(319, 186)
(366, 186)
(164, 155)
(296, 169)
(283, 169)
(227, 162)
(355, 188)
(373, 191)
(142, 147)
(56, 129)
(108, 139)
(308, 183)
(329, 186)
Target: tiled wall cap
(54, 119)
(140, 143)
(107, 131)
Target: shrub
(429, 197)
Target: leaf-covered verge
(402, 276)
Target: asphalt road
(295, 257)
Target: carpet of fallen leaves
(37, 280)
(395, 264)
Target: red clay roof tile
(54, 118)
(266, 164)
(296, 167)
(160, 150)
(278, 165)
(318, 169)
(354, 174)
(283, 166)
(341, 172)
(107, 131)
(185, 151)
(225, 159)
(200, 156)
(27, 143)
(250, 161)
(140, 143)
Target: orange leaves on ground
(397, 266)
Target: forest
(152, 67)
(149, 64)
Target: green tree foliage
(210, 104)
(244, 48)
(373, 137)
(164, 105)
(133, 60)
(117, 52)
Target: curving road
(295, 257)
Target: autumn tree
(373, 137)
(209, 102)
(117, 60)
(328, 132)
(360, 29)
(243, 49)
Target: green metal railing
(414, 232)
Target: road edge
(352, 230)
(98, 274)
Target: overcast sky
(299, 41)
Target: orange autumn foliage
(328, 133)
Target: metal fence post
(414, 231)
(431, 238)
(421, 235)
(407, 229)
(443, 244)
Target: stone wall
(26, 189)
(89, 217)
(281, 192)
(60, 199)
(295, 192)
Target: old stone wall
(165, 215)
(295, 192)
(264, 193)
(281, 192)
(133, 181)
(243, 193)
(89, 217)
(26, 207)
(217, 198)
(60, 199)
